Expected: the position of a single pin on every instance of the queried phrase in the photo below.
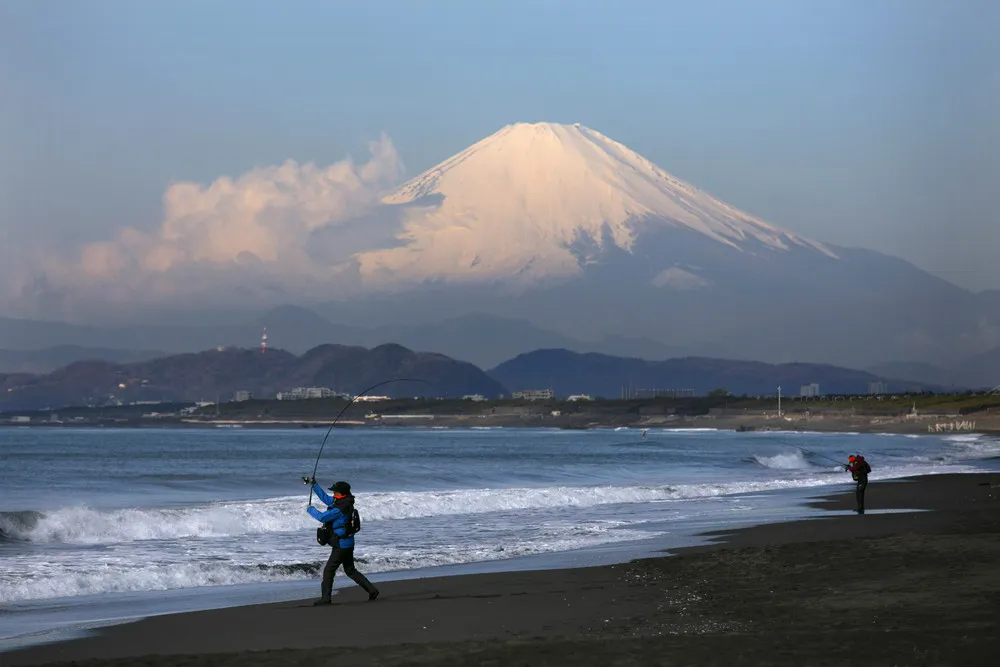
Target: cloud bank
(285, 230)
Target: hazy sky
(869, 123)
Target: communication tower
(263, 341)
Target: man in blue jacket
(340, 508)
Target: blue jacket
(334, 515)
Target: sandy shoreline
(908, 588)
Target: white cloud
(260, 233)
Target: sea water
(104, 525)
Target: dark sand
(890, 589)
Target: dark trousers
(860, 495)
(343, 557)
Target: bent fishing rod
(311, 480)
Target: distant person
(859, 469)
(338, 531)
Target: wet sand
(919, 588)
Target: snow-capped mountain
(520, 204)
(567, 228)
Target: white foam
(963, 437)
(85, 526)
(784, 461)
(972, 447)
(32, 578)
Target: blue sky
(873, 123)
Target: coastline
(917, 587)
(903, 414)
(988, 425)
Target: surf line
(306, 480)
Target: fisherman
(859, 469)
(337, 518)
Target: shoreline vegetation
(905, 414)
(890, 587)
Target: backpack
(325, 535)
(353, 523)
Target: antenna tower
(263, 341)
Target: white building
(474, 397)
(809, 390)
(877, 388)
(662, 393)
(242, 395)
(303, 393)
(580, 397)
(534, 394)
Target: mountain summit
(570, 230)
(536, 201)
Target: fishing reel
(308, 480)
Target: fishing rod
(822, 456)
(312, 480)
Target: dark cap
(343, 488)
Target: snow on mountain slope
(509, 206)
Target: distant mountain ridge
(218, 374)
(568, 372)
(48, 359)
(485, 340)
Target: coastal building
(809, 390)
(534, 394)
(405, 417)
(580, 397)
(305, 393)
(662, 393)
(474, 397)
(877, 388)
(242, 395)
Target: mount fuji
(539, 202)
(576, 233)
(547, 235)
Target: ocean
(101, 526)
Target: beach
(884, 588)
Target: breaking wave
(16, 526)
(85, 526)
(786, 461)
(113, 575)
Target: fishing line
(306, 480)
(803, 449)
(822, 456)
